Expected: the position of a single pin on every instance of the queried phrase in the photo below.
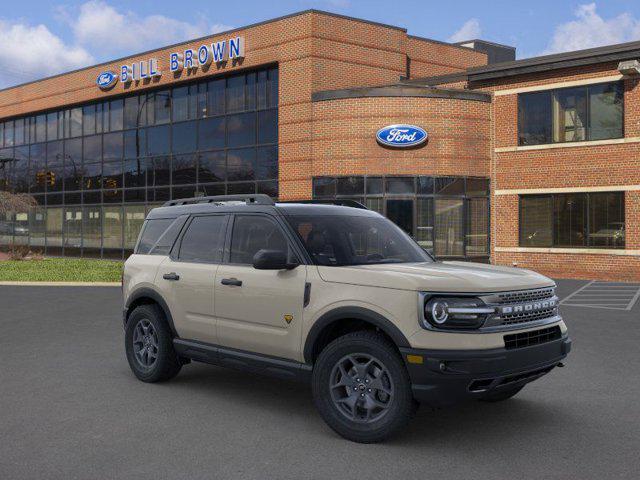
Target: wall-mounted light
(629, 67)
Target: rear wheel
(149, 345)
(361, 387)
(501, 395)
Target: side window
(252, 233)
(204, 240)
(168, 238)
(151, 232)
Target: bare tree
(16, 202)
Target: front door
(259, 310)
(400, 212)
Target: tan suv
(338, 296)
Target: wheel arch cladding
(147, 296)
(328, 322)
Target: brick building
(529, 161)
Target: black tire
(501, 395)
(166, 363)
(400, 405)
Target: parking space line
(576, 292)
(634, 300)
(598, 294)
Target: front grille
(523, 317)
(534, 337)
(526, 295)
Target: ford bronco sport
(338, 296)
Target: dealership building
(534, 162)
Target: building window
(591, 112)
(448, 216)
(96, 168)
(575, 220)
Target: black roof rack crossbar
(258, 199)
(340, 202)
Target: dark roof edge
(436, 79)
(575, 58)
(440, 42)
(226, 32)
(501, 45)
(400, 90)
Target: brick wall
(344, 140)
(429, 58)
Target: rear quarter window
(158, 235)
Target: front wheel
(361, 387)
(149, 345)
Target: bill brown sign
(189, 59)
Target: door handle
(171, 276)
(233, 282)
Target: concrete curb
(61, 284)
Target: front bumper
(446, 377)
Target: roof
(590, 56)
(404, 89)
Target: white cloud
(29, 52)
(591, 30)
(107, 31)
(469, 31)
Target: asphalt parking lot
(71, 409)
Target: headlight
(455, 313)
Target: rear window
(158, 235)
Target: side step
(241, 360)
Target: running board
(242, 360)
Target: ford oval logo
(401, 136)
(106, 80)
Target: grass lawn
(60, 270)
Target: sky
(39, 38)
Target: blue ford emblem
(401, 136)
(106, 80)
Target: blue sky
(43, 37)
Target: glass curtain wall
(448, 216)
(96, 169)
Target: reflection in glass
(477, 226)
(241, 164)
(241, 129)
(211, 133)
(133, 219)
(112, 228)
(449, 227)
(211, 167)
(73, 230)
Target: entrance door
(400, 212)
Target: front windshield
(340, 240)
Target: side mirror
(272, 260)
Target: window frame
(174, 254)
(587, 222)
(552, 92)
(293, 242)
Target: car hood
(437, 277)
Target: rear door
(259, 310)
(187, 277)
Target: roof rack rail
(340, 202)
(258, 199)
